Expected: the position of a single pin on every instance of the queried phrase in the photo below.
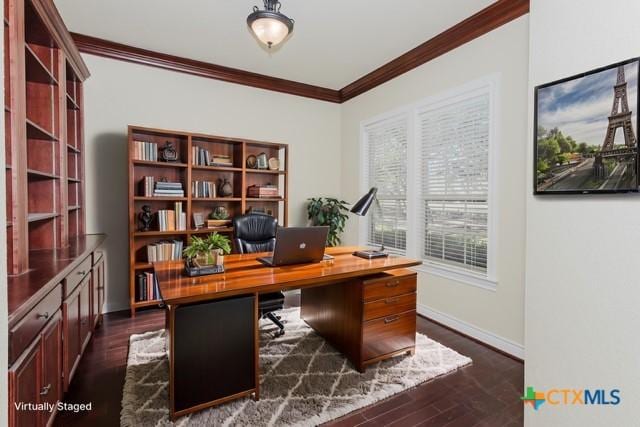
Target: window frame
(490, 84)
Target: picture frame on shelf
(198, 220)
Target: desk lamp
(361, 208)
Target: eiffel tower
(619, 119)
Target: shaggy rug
(303, 380)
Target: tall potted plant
(209, 251)
(331, 212)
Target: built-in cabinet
(50, 329)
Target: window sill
(458, 276)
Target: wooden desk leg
(256, 317)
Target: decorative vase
(226, 189)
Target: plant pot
(220, 259)
(206, 259)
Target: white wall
(118, 94)
(583, 292)
(497, 315)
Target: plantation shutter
(453, 143)
(386, 169)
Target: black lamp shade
(362, 206)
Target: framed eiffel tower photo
(586, 132)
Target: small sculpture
(144, 218)
(225, 188)
(219, 213)
(169, 153)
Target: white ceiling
(334, 41)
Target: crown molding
(493, 16)
(489, 18)
(122, 52)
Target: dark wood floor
(484, 394)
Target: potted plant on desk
(207, 252)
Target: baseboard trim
(487, 338)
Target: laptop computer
(297, 245)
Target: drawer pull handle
(391, 300)
(391, 319)
(45, 390)
(43, 316)
(392, 284)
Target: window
(385, 167)
(436, 181)
(453, 136)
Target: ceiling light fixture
(269, 25)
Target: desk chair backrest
(254, 233)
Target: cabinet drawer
(389, 286)
(388, 306)
(74, 278)
(388, 334)
(22, 334)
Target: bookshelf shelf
(267, 171)
(36, 71)
(35, 131)
(216, 168)
(35, 217)
(73, 208)
(159, 233)
(265, 199)
(216, 199)
(71, 103)
(35, 174)
(205, 147)
(72, 149)
(159, 164)
(160, 199)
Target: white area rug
(303, 380)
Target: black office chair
(257, 233)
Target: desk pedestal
(213, 350)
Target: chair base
(276, 320)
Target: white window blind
(386, 168)
(453, 208)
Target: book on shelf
(147, 184)
(203, 189)
(202, 157)
(169, 250)
(164, 188)
(145, 151)
(147, 287)
(172, 220)
(259, 191)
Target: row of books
(170, 250)
(270, 191)
(203, 189)
(145, 151)
(149, 187)
(172, 189)
(147, 288)
(202, 157)
(172, 220)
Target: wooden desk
(213, 320)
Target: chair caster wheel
(279, 334)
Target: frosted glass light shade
(269, 31)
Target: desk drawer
(22, 334)
(389, 286)
(388, 306)
(388, 334)
(74, 278)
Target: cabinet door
(71, 341)
(51, 354)
(24, 387)
(85, 312)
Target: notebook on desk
(298, 245)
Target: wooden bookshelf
(43, 132)
(185, 171)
